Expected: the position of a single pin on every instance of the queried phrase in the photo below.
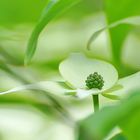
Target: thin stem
(95, 102)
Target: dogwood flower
(76, 69)
(84, 76)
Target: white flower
(75, 70)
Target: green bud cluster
(94, 81)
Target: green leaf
(118, 137)
(53, 8)
(126, 115)
(135, 21)
(77, 67)
(19, 12)
(117, 10)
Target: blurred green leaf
(6, 68)
(9, 58)
(56, 104)
(117, 10)
(27, 100)
(126, 115)
(118, 137)
(134, 20)
(131, 125)
(53, 87)
(23, 11)
(53, 8)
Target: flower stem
(95, 102)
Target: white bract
(75, 70)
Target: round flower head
(94, 81)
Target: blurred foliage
(117, 10)
(51, 10)
(17, 21)
(125, 115)
(15, 11)
(24, 11)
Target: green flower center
(94, 81)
